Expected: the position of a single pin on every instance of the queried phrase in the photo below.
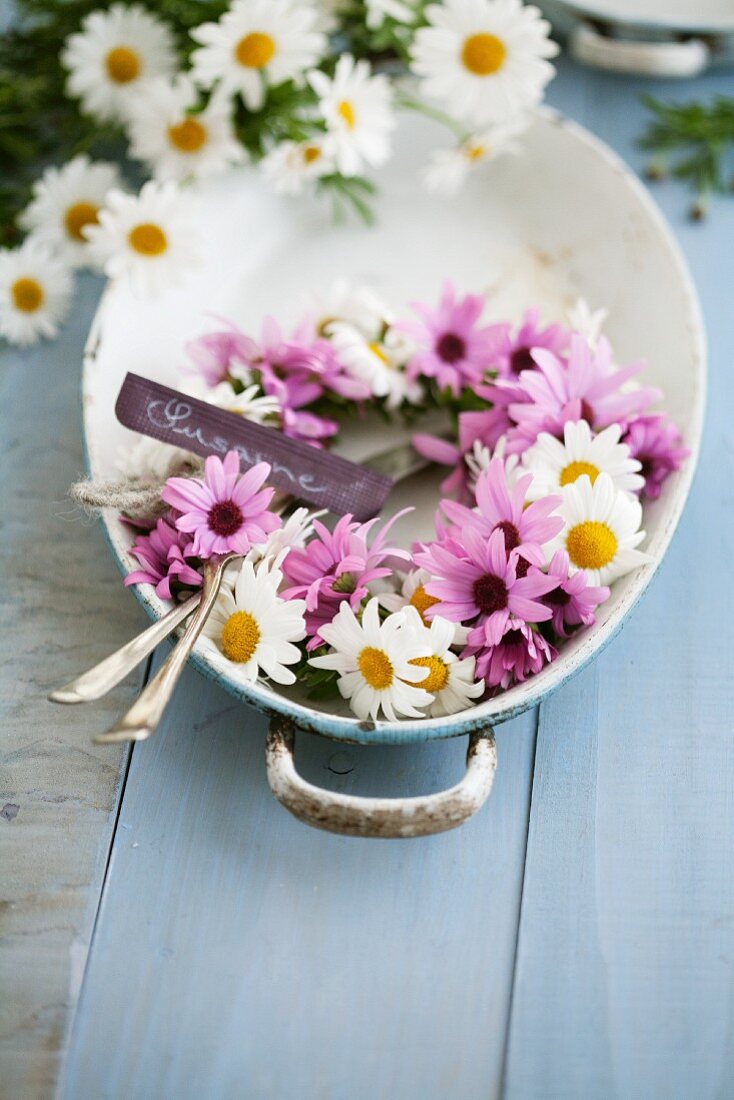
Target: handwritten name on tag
(311, 475)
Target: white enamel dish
(564, 219)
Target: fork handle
(97, 681)
(147, 710)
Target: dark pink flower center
(224, 518)
(513, 637)
(511, 533)
(521, 359)
(490, 594)
(587, 413)
(521, 567)
(450, 347)
(557, 598)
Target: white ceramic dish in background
(564, 219)
(665, 38)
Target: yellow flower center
(376, 668)
(591, 545)
(575, 470)
(311, 153)
(421, 601)
(240, 637)
(475, 151)
(255, 50)
(346, 110)
(483, 54)
(377, 350)
(123, 65)
(148, 239)
(438, 673)
(78, 216)
(27, 295)
(187, 136)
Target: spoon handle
(147, 710)
(100, 679)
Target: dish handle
(669, 59)
(351, 815)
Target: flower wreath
(554, 447)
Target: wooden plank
(239, 952)
(625, 964)
(62, 609)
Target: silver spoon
(147, 710)
(97, 681)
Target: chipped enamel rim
(528, 694)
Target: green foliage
(321, 683)
(348, 194)
(694, 141)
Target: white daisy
(256, 44)
(112, 55)
(328, 13)
(477, 460)
(176, 139)
(373, 660)
(292, 164)
(450, 680)
(587, 322)
(254, 628)
(35, 293)
(412, 594)
(147, 238)
(296, 529)
(380, 10)
(448, 169)
(152, 461)
(380, 363)
(357, 107)
(294, 533)
(602, 530)
(250, 403)
(484, 60)
(65, 201)
(554, 464)
(346, 303)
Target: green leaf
(695, 139)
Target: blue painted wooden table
(576, 939)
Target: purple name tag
(304, 472)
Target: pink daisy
(452, 348)
(298, 373)
(586, 386)
(486, 427)
(656, 443)
(501, 507)
(338, 565)
(475, 579)
(161, 554)
(224, 511)
(217, 355)
(573, 602)
(520, 652)
(513, 348)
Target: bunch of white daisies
(268, 82)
